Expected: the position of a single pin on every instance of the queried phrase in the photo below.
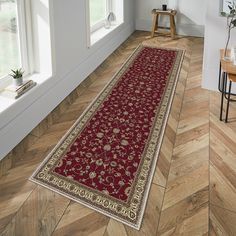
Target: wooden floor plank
(80, 220)
(178, 213)
(222, 221)
(39, 214)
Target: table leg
(222, 94)
(227, 109)
(220, 82)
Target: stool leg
(172, 26)
(154, 24)
(222, 95)
(157, 23)
(227, 110)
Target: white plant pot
(18, 82)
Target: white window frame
(24, 38)
(97, 32)
(101, 23)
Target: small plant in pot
(17, 76)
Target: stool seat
(167, 12)
(171, 13)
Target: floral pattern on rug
(107, 153)
(107, 159)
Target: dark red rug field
(107, 159)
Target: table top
(167, 12)
(227, 65)
(232, 77)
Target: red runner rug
(106, 161)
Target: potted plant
(17, 76)
(231, 23)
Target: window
(12, 48)
(103, 16)
(99, 10)
(9, 37)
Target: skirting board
(182, 29)
(18, 128)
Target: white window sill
(102, 32)
(7, 102)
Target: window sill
(99, 34)
(6, 102)
(10, 107)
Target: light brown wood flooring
(194, 188)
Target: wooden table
(227, 72)
(227, 65)
(171, 14)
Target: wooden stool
(155, 26)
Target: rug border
(137, 225)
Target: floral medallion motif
(107, 159)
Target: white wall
(73, 61)
(190, 18)
(215, 38)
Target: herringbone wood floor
(194, 186)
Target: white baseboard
(27, 120)
(182, 29)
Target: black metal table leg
(220, 80)
(222, 94)
(227, 109)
